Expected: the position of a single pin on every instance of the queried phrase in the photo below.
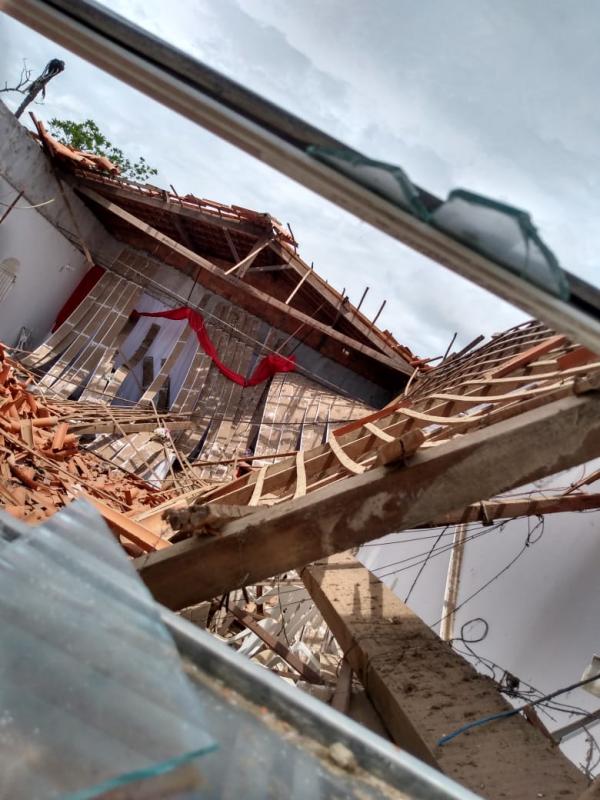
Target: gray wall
(47, 266)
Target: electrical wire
(446, 549)
(529, 540)
(508, 683)
(25, 208)
(424, 564)
(514, 711)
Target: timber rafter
(342, 348)
(485, 436)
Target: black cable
(528, 542)
(447, 548)
(424, 564)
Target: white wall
(48, 270)
(49, 266)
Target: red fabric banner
(266, 368)
(83, 288)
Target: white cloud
(353, 98)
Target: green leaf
(86, 136)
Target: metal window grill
(7, 280)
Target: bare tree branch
(24, 80)
(52, 68)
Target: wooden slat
(528, 356)
(432, 419)
(128, 528)
(277, 646)
(345, 460)
(297, 287)
(257, 491)
(242, 266)
(300, 490)
(385, 437)
(361, 508)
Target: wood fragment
(400, 449)
(277, 646)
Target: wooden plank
(300, 490)
(453, 582)
(297, 287)
(345, 460)
(576, 357)
(529, 355)
(277, 646)
(252, 299)
(376, 431)
(257, 491)
(128, 528)
(489, 511)
(482, 463)
(242, 266)
(121, 428)
(422, 690)
(341, 697)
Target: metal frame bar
(279, 139)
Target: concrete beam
(422, 690)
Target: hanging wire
(514, 711)
(446, 549)
(530, 540)
(424, 564)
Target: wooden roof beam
(352, 315)
(489, 511)
(281, 315)
(181, 207)
(294, 261)
(358, 509)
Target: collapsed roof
(246, 256)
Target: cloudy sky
(492, 97)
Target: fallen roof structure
(474, 429)
(241, 427)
